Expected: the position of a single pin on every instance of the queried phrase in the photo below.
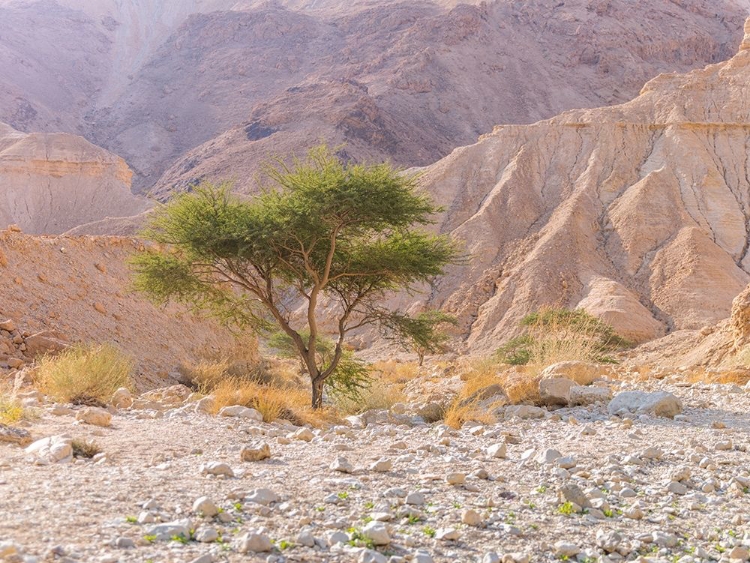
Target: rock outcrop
(50, 183)
(637, 212)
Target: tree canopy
(322, 229)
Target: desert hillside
(53, 182)
(638, 213)
(79, 289)
(186, 90)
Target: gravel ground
(641, 487)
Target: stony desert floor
(578, 483)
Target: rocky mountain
(638, 213)
(53, 182)
(192, 89)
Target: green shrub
(554, 335)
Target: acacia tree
(423, 333)
(348, 234)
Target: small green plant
(429, 531)
(367, 519)
(369, 505)
(131, 519)
(238, 506)
(320, 508)
(609, 513)
(343, 495)
(413, 519)
(563, 557)
(541, 489)
(566, 508)
(456, 505)
(358, 539)
(284, 545)
(510, 518)
(180, 538)
(151, 538)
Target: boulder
(555, 391)
(14, 435)
(94, 416)
(43, 343)
(122, 399)
(55, 449)
(660, 403)
(589, 395)
(255, 453)
(239, 411)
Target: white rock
(263, 496)
(415, 499)
(254, 542)
(371, 556)
(304, 434)
(524, 412)
(590, 395)
(206, 534)
(660, 403)
(55, 449)
(566, 549)
(342, 465)
(499, 450)
(383, 465)
(582, 373)
(555, 391)
(448, 534)
(205, 506)
(548, 456)
(168, 530)
(377, 532)
(455, 478)
(239, 411)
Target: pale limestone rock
(94, 416)
(639, 402)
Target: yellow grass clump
(11, 410)
(85, 374)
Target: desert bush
(378, 395)
(11, 410)
(85, 448)
(556, 335)
(85, 374)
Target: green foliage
(423, 333)
(429, 531)
(566, 508)
(517, 351)
(347, 233)
(351, 376)
(559, 334)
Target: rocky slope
(79, 288)
(153, 80)
(52, 182)
(638, 212)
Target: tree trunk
(421, 358)
(317, 392)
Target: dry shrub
(3, 259)
(85, 374)
(470, 403)
(11, 410)
(379, 395)
(396, 373)
(458, 413)
(85, 448)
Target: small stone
(455, 479)
(167, 530)
(677, 488)
(263, 496)
(217, 468)
(254, 542)
(415, 499)
(640, 402)
(498, 451)
(342, 465)
(739, 552)
(573, 493)
(8, 325)
(55, 449)
(205, 558)
(548, 456)
(305, 538)
(94, 416)
(239, 411)
(383, 465)
(377, 532)
(303, 434)
(255, 453)
(471, 518)
(566, 549)
(566, 462)
(14, 435)
(124, 543)
(205, 506)
(206, 534)
(122, 399)
(725, 445)
(447, 534)
(491, 557)
(371, 556)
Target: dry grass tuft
(380, 395)
(85, 448)
(85, 374)
(458, 413)
(11, 410)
